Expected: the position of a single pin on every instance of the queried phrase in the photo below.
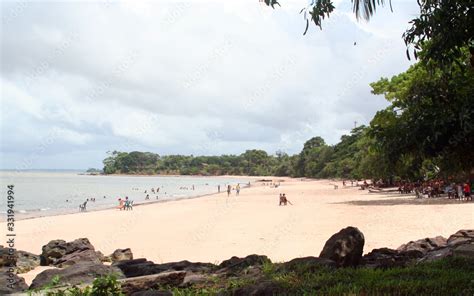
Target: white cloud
(196, 77)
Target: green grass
(451, 276)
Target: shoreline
(215, 227)
(25, 216)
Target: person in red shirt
(467, 191)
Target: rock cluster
(78, 262)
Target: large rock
(424, 245)
(236, 264)
(82, 272)
(7, 257)
(24, 261)
(464, 250)
(437, 254)
(194, 278)
(151, 282)
(141, 267)
(345, 247)
(60, 253)
(306, 264)
(121, 254)
(388, 258)
(461, 237)
(10, 282)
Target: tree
(430, 117)
(447, 24)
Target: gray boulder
(24, 261)
(388, 258)
(79, 273)
(464, 250)
(141, 267)
(424, 245)
(60, 253)
(7, 258)
(150, 282)
(307, 264)
(345, 247)
(461, 237)
(121, 254)
(10, 282)
(236, 264)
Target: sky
(81, 78)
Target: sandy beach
(216, 227)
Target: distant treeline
(316, 160)
(427, 131)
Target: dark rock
(102, 257)
(461, 237)
(260, 289)
(387, 258)
(141, 267)
(464, 250)
(24, 261)
(437, 254)
(121, 254)
(82, 272)
(52, 251)
(61, 253)
(345, 247)
(76, 257)
(193, 279)
(424, 245)
(236, 264)
(149, 282)
(7, 257)
(307, 264)
(10, 282)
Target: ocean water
(42, 193)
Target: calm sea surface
(48, 193)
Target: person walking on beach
(229, 188)
(467, 191)
(237, 189)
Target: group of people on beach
(437, 187)
(229, 189)
(125, 204)
(152, 191)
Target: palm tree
(317, 10)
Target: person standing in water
(219, 188)
(229, 188)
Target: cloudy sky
(82, 78)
